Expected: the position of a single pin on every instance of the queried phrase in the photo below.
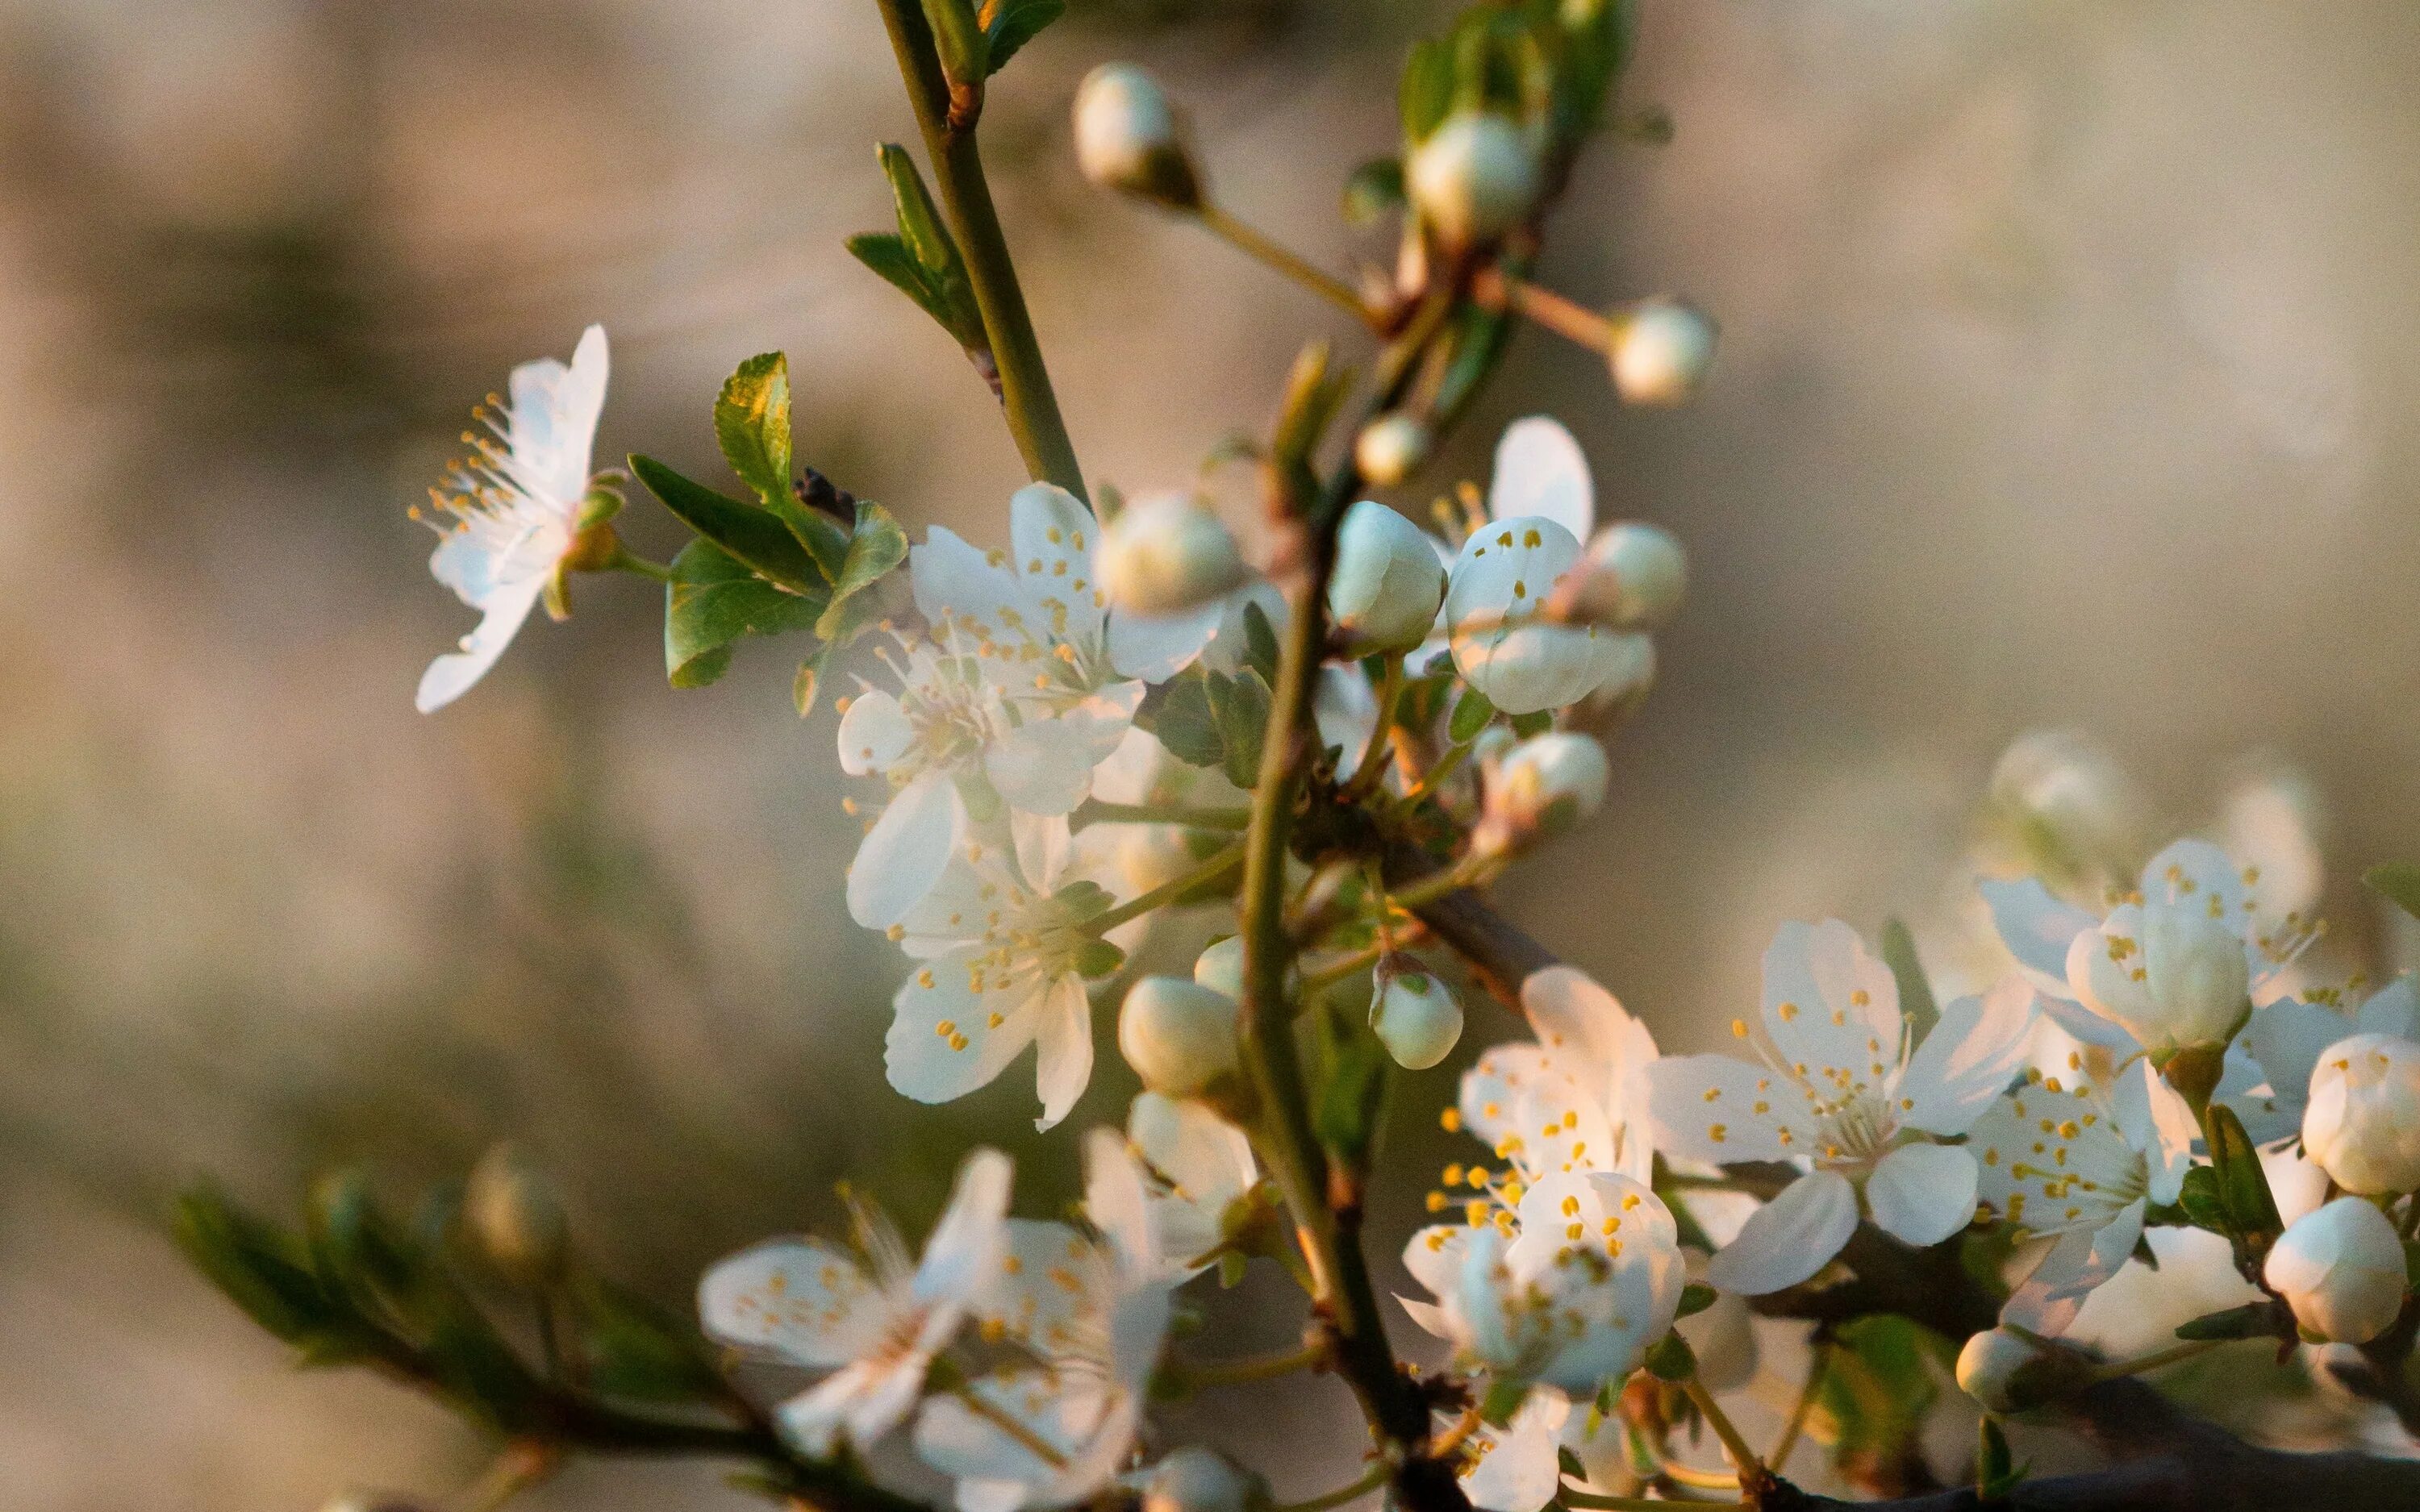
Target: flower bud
(1661, 351)
(1473, 179)
(1631, 577)
(1167, 553)
(1179, 1036)
(1127, 137)
(1387, 584)
(2363, 1123)
(1414, 1011)
(515, 1216)
(1389, 449)
(1544, 785)
(1193, 1479)
(1988, 1367)
(2341, 1270)
(1220, 966)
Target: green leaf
(1882, 1380)
(2399, 883)
(1016, 23)
(1997, 1471)
(752, 421)
(2242, 1185)
(1260, 642)
(875, 547)
(2252, 1321)
(1536, 722)
(638, 1350)
(262, 1269)
(1671, 1359)
(1914, 993)
(1695, 1297)
(1350, 1096)
(1470, 716)
(712, 600)
(357, 1252)
(754, 536)
(887, 253)
(1427, 88)
(1187, 727)
(1241, 705)
(1375, 187)
(1504, 1398)
(1096, 959)
(2200, 1201)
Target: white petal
(904, 855)
(1788, 1239)
(2394, 1008)
(1053, 1407)
(2082, 1260)
(1052, 1290)
(2157, 1122)
(935, 1064)
(962, 1257)
(959, 588)
(874, 733)
(2036, 928)
(1346, 712)
(1052, 535)
(2286, 1037)
(1044, 766)
(1831, 1003)
(803, 1299)
(1706, 1108)
(1923, 1192)
(1044, 847)
(1117, 1201)
(451, 675)
(1063, 1062)
(1520, 1470)
(1434, 1256)
(1540, 470)
(1155, 648)
(2085, 1023)
(1967, 1059)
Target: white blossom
(1167, 554)
(1838, 1090)
(508, 518)
(2341, 1268)
(1194, 1479)
(1126, 136)
(2363, 1125)
(1388, 582)
(1518, 1467)
(1631, 575)
(1200, 1165)
(1988, 1366)
(1093, 1313)
(1545, 784)
(2078, 1164)
(1003, 947)
(2286, 1037)
(1573, 1098)
(875, 1324)
(1661, 351)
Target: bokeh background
(2067, 352)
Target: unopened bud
(515, 1217)
(1165, 553)
(1387, 584)
(1198, 1480)
(1987, 1369)
(1389, 449)
(1179, 1036)
(1631, 577)
(1220, 966)
(2362, 1122)
(1414, 1012)
(1661, 351)
(1127, 137)
(1542, 785)
(2341, 1268)
(1473, 180)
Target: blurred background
(2067, 347)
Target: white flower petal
(1967, 1059)
(2156, 1121)
(964, 1251)
(1064, 1061)
(2082, 1260)
(1519, 1467)
(1922, 1193)
(803, 1299)
(2037, 929)
(874, 733)
(1540, 470)
(1117, 1200)
(960, 588)
(1721, 1109)
(903, 857)
(943, 1043)
(1053, 536)
(1155, 648)
(451, 675)
(1044, 766)
(1434, 1256)
(1788, 1239)
(1052, 1292)
(1831, 1003)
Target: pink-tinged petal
(1922, 1193)
(874, 733)
(1540, 470)
(2037, 929)
(1721, 1109)
(2082, 1260)
(1788, 1239)
(1063, 1063)
(804, 1300)
(1969, 1058)
(903, 857)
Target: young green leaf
(1260, 643)
(2242, 1185)
(262, 1269)
(1375, 187)
(1187, 727)
(1427, 89)
(2399, 883)
(752, 421)
(712, 600)
(875, 547)
(1241, 705)
(964, 47)
(1350, 1098)
(754, 536)
(640, 1351)
(1470, 716)
(1016, 23)
(1914, 992)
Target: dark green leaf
(1187, 726)
(2399, 883)
(1536, 722)
(966, 51)
(875, 548)
(712, 600)
(1695, 1297)
(636, 1349)
(262, 1269)
(752, 421)
(1997, 1471)
(1260, 643)
(753, 536)
(1241, 705)
(1375, 187)
(1350, 1097)
(2242, 1185)
(1671, 1359)
(1427, 88)
(1096, 959)
(1916, 1001)
(1881, 1382)
(1016, 25)
(2200, 1201)
(1470, 716)
(2254, 1320)
(357, 1251)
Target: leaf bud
(2341, 1268)
(1127, 137)
(1167, 553)
(1414, 1012)
(515, 1216)
(1387, 584)
(1661, 350)
(1390, 449)
(1472, 178)
(1179, 1036)
(2363, 1122)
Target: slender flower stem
(1038, 1446)
(1567, 318)
(1097, 812)
(1025, 393)
(1265, 250)
(1211, 871)
(1416, 895)
(1373, 760)
(2173, 1355)
(1696, 1479)
(1744, 1459)
(625, 560)
(1238, 1372)
(1807, 1395)
(1371, 1480)
(1336, 971)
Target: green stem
(624, 560)
(1373, 761)
(1097, 812)
(1807, 1395)
(1371, 1480)
(1416, 895)
(1207, 873)
(2173, 1355)
(1744, 1459)
(1336, 971)
(1261, 248)
(1025, 393)
(1238, 1372)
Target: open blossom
(1573, 1098)
(1026, 683)
(1837, 1090)
(2080, 1163)
(1093, 1313)
(2178, 962)
(875, 1325)
(1002, 944)
(508, 518)
(1567, 1288)
(1518, 1467)
(1198, 1166)
(2287, 1038)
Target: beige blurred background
(2067, 351)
